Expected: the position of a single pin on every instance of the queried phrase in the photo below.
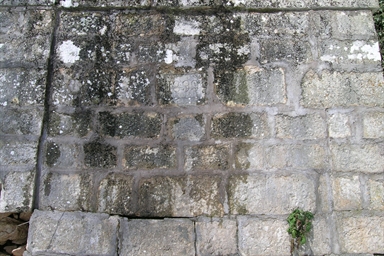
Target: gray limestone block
(310, 126)
(259, 236)
(148, 157)
(320, 239)
(240, 125)
(249, 156)
(66, 192)
(72, 233)
(359, 233)
(64, 155)
(22, 87)
(271, 194)
(77, 124)
(347, 194)
(207, 157)
(291, 51)
(18, 152)
(339, 125)
(373, 125)
(16, 191)
(130, 125)
(216, 236)
(157, 237)
(138, 25)
(188, 128)
(100, 155)
(180, 196)
(27, 2)
(253, 86)
(347, 157)
(18, 121)
(375, 185)
(342, 89)
(115, 194)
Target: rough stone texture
(347, 193)
(184, 196)
(361, 234)
(21, 122)
(157, 237)
(144, 157)
(249, 156)
(189, 128)
(321, 241)
(216, 236)
(353, 157)
(263, 236)
(18, 152)
(211, 157)
(267, 194)
(76, 233)
(373, 125)
(376, 193)
(339, 125)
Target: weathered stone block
(240, 125)
(115, 194)
(157, 237)
(182, 89)
(104, 3)
(249, 156)
(345, 25)
(133, 24)
(133, 87)
(147, 157)
(333, 89)
(276, 50)
(373, 125)
(62, 155)
(76, 124)
(206, 157)
(141, 125)
(324, 193)
(272, 194)
(16, 191)
(339, 125)
(22, 87)
(361, 234)
(263, 236)
(191, 128)
(353, 157)
(351, 52)
(296, 156)
(216, 236)
(181, 196)
(66, 192)
(281, 24)
(346, 193)
(72, 233)
(182, 53)
(21, 121)
(321, 239)
(302, 3)
(310, 126)
(26, 2)
(253, 86)
(376, 194)
(100, 155)
(18, 152)
(150, 52)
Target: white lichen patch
(68, 3)
(68, 52)
(168, 57)
(365, 51)
(186, 27)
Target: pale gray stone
(216, 236)
(190, 128)
(21, 121)
(354, 157)
(157, 237)
(339, 125)
(249, 156)
(376, 193)
(271, 194)
(321, 240)
(259, 236)
(373, 125)
(72, 233)
(346, 193)
(18, 152)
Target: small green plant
(300, 224)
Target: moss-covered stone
(145, 157)
(100, 155)
(52, 153)
(207, 157)
(232, 125)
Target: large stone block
(206, 157)
(18, 152)
(72, 233)
(66, 192)
(146, 157)
(249, 156)
(240, 125)
(253, 86)
(180, 196)
(157, 237)
(354, 157)
(21, 121)
(136, 24)
(100, 155)
(292, 51)
(62, 155)
(347, 194)
(189, 128)
(115, 194)
(361, 234)
(339, 125)
(376, 193)
(320, 240)
(263, 236)
(216, 236)
(373, 125)
(22, 87)
(78, 124)
(271, 194)
(16, 191)
(140, 125)
(334, 89)
(296, 156)
(310, 126)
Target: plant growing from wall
(379, 24)
(300, 224)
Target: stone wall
(192, 127)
